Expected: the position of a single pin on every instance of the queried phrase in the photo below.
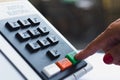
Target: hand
(108, 41)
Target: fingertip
(77, 57)
(80, 55)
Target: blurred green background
(80, 21)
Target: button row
(12, 26)
(32, 33)
(60, 65)
(42, 43)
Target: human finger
(105, 39)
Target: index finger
(92, 47)
(103, 40)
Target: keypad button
(34, 33)
(24, 23)
(64, 64)
(43, 30)
(12, 26)
(34, 21)
(53, 54)
(44, 43)
(71, 57)
(52, 39)
(33, 46)
(23, 36)
(51, 70)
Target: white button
(51, 70)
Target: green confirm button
(71, 57)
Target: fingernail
(108, 59)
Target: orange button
(64, 64)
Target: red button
(64, 64)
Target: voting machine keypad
(41, 46)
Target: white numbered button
(51, 70)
